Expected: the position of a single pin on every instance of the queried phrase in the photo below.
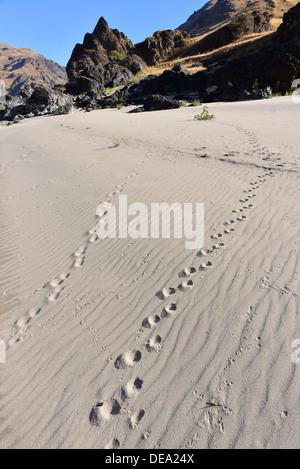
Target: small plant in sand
(116, 142)
(215, 403)
(119, 106)
(205, 115)
(196, 102)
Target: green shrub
(116, 142)
(204, 115)
(119, 106)
(196, 102)
(115, 55)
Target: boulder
(42, 101)
(157, 102)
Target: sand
(141, 343)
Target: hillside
(20, 66)
(217, 12)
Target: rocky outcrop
(217, 12)
(255, 22)
(41, 101)
(21, 67)
(160, 45)
(103, 60)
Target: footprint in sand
(55, 294)
(186, 286)
(136, 418)
(206, 265)
(151, 321)
(187, 272)
(165, 293)
(204, 252)
(169, 310)
(228, 222)
(131, 389)
(216, 236)
(154, 344)
(241, 218)
(217, 246)
(229, 231)
(92, 230)
(113, 444)
(237, 210)
(93, 238)
(81, 251)
(59, 280)
(128, 359)
(103, 411)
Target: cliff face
(20, 67)
(158, 46)
(215, 12)
(103, 60)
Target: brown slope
(20, 67)
(217, 12)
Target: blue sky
(52, 28)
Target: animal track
(216, 236)
(188, 272)
(103, 411)
(204, 252)
(131, 389)
(165, 293)
(186, 286)
(229, 231)
(136, 418)
(128, 359)
(206, 265)
(154, 344)
(169, 310)
(151, 321)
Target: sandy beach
(141, 343)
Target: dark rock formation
(160, 45)
(41, 102)
(170, 81)
(102, 60)
(157, 102)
